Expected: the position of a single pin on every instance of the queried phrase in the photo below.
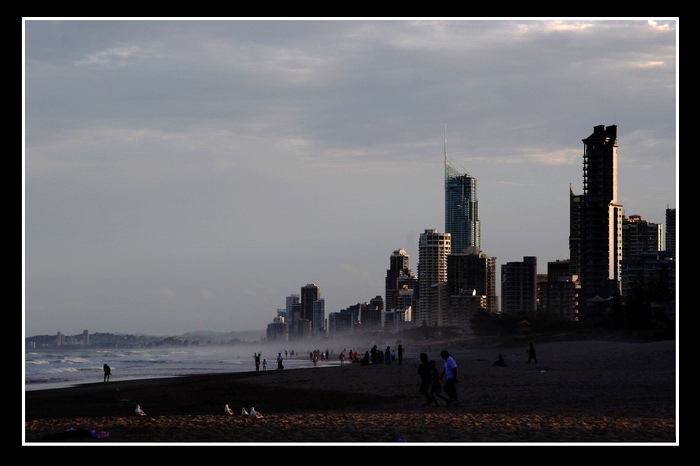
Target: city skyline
(189, 175)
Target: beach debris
(139, 411)
(254, 415)
(228, 410)
(244, 412)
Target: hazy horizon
(189, 175)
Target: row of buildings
(609, 255)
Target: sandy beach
(583, 391)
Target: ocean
(58, 367)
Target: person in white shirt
(450, 372)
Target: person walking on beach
(108, 371)
(436, 385)
(279, 362)
(450, 372)
(531, 354)
(425, 380)
(400, 354)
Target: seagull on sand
(244, 412)
(254, 415)
(139, 411)
(228, 410)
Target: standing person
(400, 354)
(279, 362)
(425, 380)
(264, 364)
(450, 372)
(373, 353)
(531, 354)
(257, 361)
(387, 356)
(365, 359)
(342, 357)
(108, 371)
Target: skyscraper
(670, 235)
(399, 280)
(519, 286)
(599, 217)
(433, 248)
(473, 271)
(319, 316)
(309, 294)
(461, 208)
(640, 236)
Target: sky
(183, 175)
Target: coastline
(581, 391)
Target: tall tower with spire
(598, 218)
(461, 207)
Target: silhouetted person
(400, 354)
(387, 356)
(108, 371)
(531, 354)
(425, 380)
(436, 385)
(365, 359)
(279, 362)
(374, 352)
(450, 372)
(500, 361)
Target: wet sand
(586, 391)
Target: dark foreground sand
(581, 391)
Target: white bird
(254, 414)
(139, 411)
(228, 410)
(244, 412)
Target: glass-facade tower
(461, 209)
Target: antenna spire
(444, 142)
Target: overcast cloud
(189, 175)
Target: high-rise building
(433, 249)
(319, 316)
(399, 281)
(519, 286)
(574, 232)
(309, 294)
(671, 231)
(640, 236)
(599, 218)
(290, 316)
(461, 208)
(473, 271)
(559, 293)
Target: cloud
(116, 56)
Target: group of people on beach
(431, 386)
(531, 356)
(375, 355)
